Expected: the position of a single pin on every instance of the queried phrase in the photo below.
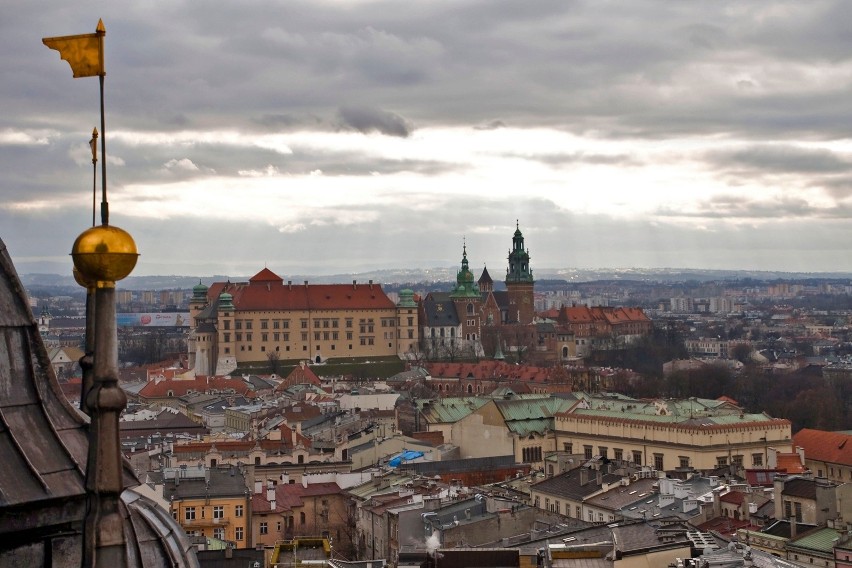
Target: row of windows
(532, 454)
(264, 324)
(285, 337)
(218, 512)
(556, 507)
(659, 459)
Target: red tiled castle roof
(267, 291)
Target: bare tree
(274, 360)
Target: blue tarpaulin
(407, 455)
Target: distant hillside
(421, 278)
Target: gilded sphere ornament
(78, 278)
(104, 254)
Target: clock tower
(519, 281)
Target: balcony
(201, 523)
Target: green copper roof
(821, 540)
(519, 260)
(466, 286)
(199, 293)
(406, 298)
(226, 301)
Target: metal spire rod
(104, 203)
(93, 144)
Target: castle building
(266, 318)
(453, 324)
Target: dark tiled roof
(222, 484)
(569, 484)
(800, 487)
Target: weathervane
(102, 255)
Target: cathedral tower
(519, 282)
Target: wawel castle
(267, 318)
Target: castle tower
(407, 323)
(486, 284)
(196, 304)
(226, 360)
(519, 282)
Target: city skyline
(329, 137)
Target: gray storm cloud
(366, 120)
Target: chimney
(584, 475)
(793, 528)
(306, 283)
(289, 284)
(354, 284)
(599, 477)
(371, 284)
(304, 481)
(717, 504)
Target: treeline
(803, 396)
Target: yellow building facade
(667, 435)
(266, 318)
(210, 502)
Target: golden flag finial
(84, 53)
(93, 144)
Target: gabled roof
(289, 496)
(266, 275)
(300, 375)
(830, 447)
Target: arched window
(469, 388)
(470, 308)
(565, 352)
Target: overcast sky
(322, 137)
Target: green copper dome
(466, 286)
(199, 292)
(226, 301)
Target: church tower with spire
(519, 281)
(467, 299)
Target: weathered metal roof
(44, 447)
(449, 410)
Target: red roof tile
(831, 447)
(265, 291)
(790, 463)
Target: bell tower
(519, 281)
